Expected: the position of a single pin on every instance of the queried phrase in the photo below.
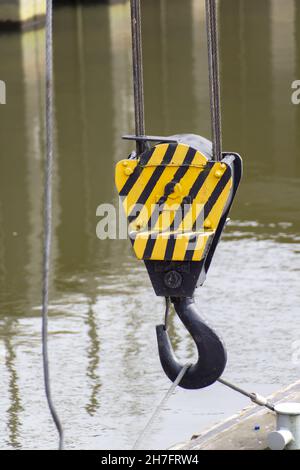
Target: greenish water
(106, 374)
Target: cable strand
(48, 217)
(255, 397)
(214, 78)
(137, 62)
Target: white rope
(48, 216)
(158, 409)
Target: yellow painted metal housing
(173, 197)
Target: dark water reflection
(106, 374)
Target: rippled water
(106, 374)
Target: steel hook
(212, 355)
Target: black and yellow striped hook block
(175, 196)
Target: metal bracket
(149, 138)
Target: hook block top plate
(174, 198)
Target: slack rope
(158, 409)
(48, 216)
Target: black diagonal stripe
(206, 210)
(149, 246)
(170, 247)
(182, 170)
(155, 215)
(185, 165)
(199, 182)
(154, 179)
(192, 195)
(135, 175)
(190, 250)
(159, 207)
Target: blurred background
(106, 374)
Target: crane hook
(212, 355)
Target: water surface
(106, 375)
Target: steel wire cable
(48, 218)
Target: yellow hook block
(171, 230)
